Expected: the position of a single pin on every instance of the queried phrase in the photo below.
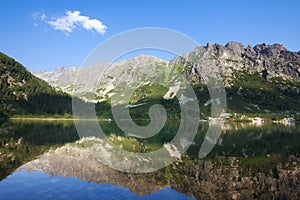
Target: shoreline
(256, 119)
(52, 119)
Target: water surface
(257, 149)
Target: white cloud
(39, 16)
(43, 16)
(72, 20)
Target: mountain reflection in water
(37, 185)
(247, 162)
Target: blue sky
(32, 40)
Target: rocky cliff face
(269, 61)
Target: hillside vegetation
(23, 93)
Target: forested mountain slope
(23, 93)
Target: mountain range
(275, 60)
(263, 79)
(260, 79)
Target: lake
(45, 160)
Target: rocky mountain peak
(66, 69)
(263, 46)
(236, 47)
(273, 50)
(275, 60)
(144, 58)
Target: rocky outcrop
(274, 60)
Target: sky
(48, 34)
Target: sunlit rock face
(235, 57)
